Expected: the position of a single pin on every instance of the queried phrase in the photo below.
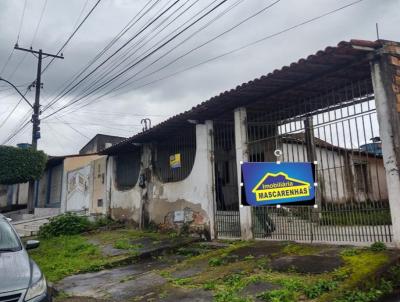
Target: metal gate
(339, 130)
(226, 185)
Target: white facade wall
(158, 201)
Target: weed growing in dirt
(278, 295)
(67, 255)
(378, 247)
(215, 261)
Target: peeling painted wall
(159, 201)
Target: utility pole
(38, 85)
(32, 193)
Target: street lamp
(19, 92)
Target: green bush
(378, 247)
(22, 165)
(66, 224)
(321, 286)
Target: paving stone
(136, 287)
(313, 264)
(258, 287)
(188, 272)
(188, 295)
(259, 249)
(101, 284)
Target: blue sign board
(269, 183)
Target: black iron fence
(339, 131)
(330, 223)
(226, 185)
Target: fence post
(242, 156)
(211, 176)
(385, 68)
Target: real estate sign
(175, 161)
(269, 183)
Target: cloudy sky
(113, 102)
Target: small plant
(249, 257)
(210, 285)
(371, 295)
(215, 262)
(321, 286)
(182, 281)
(66, 224)
(378, 247)
(348, 252)
(292, 284)
(341, 274)
(124, 244)
(229, 296)
(278, 295)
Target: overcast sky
(119, 112)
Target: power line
(126, 82)
(126, 28)
(233, 50)
(143, 58)
(116, 52)
(80, 15)
(39, 21)
(21, 21)
(18, 35)
(177, 29)
(139, 45)
(73, 34)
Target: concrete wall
(98, 205)
(74, 164)
(159, 202)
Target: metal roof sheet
(347, 61)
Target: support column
(242, 155)
(385, 69)
(211, 176)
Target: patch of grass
(321, 286)
(278, 295)
(67, 255)
(300, 249)
(351, 251)
(109, 237)
(209, 285)
(378, 247)
(373, 216)
(215, 261)
(124, 244)
(182, 281)
(362, 265)
(370, 295)
(230, 296)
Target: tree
(20, 165)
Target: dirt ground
(243, 272)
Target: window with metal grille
(127, 169)
(174, 156)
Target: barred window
(174, 156)
(127, 169)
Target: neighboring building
(100, 142)
(13, 197)
(345, 175)
(68, 183)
